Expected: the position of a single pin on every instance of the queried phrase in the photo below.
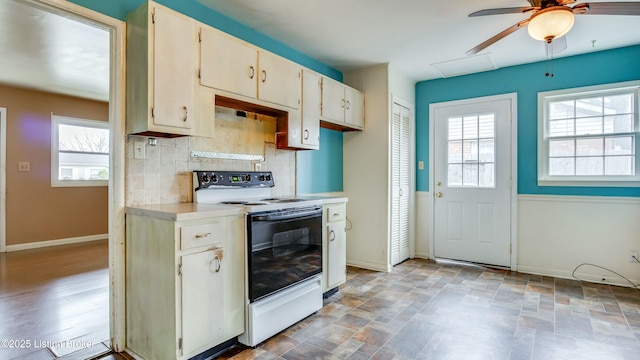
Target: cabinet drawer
(203, 234)
(336, 212)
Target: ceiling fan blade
(608, 8)
(500, 11)
(497, 37)
(556, 46)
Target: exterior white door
(472, 179)
(400, 182)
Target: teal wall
(602, 67)
(120, 8)
(321, 170)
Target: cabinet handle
(217, 264)
(252, 72)
(198, 236)
(332, 235)
(306, 134)
(348, 105)
(264, 75)
(401, 192)
(186, 113)
(343, 103)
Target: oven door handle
(286, 215)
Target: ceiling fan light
(550, 23)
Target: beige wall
(35, 210)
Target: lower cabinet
(335, 243)
(184, 284)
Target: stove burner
(241, 202)
(281, 200)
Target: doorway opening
(112, 252)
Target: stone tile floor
(444, 310)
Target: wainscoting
(558, 233)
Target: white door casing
(473, 180)
(3, 179)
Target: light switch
(139, 150)
(24, 166)
(420, 165)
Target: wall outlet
(633, 256)
(139, 150)
(420, 165)
(24, 166)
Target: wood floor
(54, 302)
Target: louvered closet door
(400, 183)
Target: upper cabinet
(342, 106)
(301, 129)
(161, 73)
(239, 68)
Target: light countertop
(196, 211)
(184, 211)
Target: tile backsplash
(165, 173)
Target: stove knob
(205, 178)
(262, 177)
(247, 178)
(268, 177)
(214, 178)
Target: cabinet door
(311, 109)
(337, 254)
(354, 108)
(333, 102)
(279, 80)
(202, 300)
(174, 69)
(227, 63)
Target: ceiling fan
(551, 19)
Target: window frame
(544, 98)
(57, 120)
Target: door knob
(439, 183)
(439, 194)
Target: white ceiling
(54, 53)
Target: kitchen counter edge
(183, 211)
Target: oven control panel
(206, 179)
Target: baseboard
(47, 243)
(422, 255)
(368, 265)
(604, 277)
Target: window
(79, 152)
(589, 136)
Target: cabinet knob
(252, 72)
(332, 235)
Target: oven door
(285, 249)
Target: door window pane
(471, 151)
